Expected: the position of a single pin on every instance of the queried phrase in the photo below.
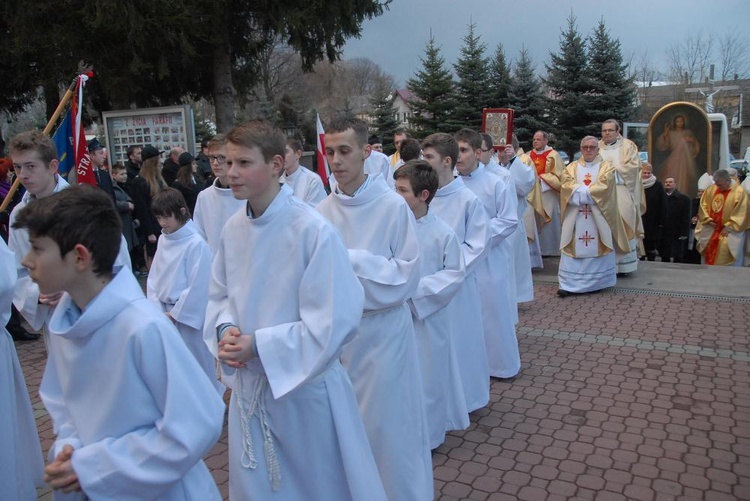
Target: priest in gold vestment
(592, 229)
(723, 222)
(549, 166)
(631, 200)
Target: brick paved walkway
(621, 396)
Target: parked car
(565, 157)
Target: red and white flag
(323, 170)
(84, 169)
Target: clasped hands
(60, 475)
(235, 348)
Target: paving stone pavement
(621, 396)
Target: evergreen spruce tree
(612, 91)
(567, 80)
(432, 87)
(472, 89)
(526, 98)
(500, 81)
(383, 114)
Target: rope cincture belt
(257, 408)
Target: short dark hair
(410, 150)
(116, 167)
(80, 214)
(132, 149)
(259, 134)
(343, 124)
(170, 202)
(401, 132)
(34, 140)
(470, 136)
(612, 121)
(421, 176)
(443, 144)
(486, 139)
(204, 143)
(294, 144)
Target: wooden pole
(60, 107)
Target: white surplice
(21, 464)
(589, 270)
(378, 230)
(306, 184)
(458, 206)
(293, 418)
(212, 209)
(26, 294)
(495, 276)
(442, 272)
(121, 389)
(178, 284)
(524, 179)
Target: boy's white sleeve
(330, 307)
(505, 220)
(190, 308)
(477, 236)
(218, 311)
(52, 395)
(435, 291)
(390, 281)
(147, 462)
(316, 193)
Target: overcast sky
(396, 40)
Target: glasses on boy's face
(221, 159)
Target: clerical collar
(619, 138)
(475, 171)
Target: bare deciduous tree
(689, 60)
(733, 55)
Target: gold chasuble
(591, 230)
(534, 198)
(725, 209)
(549, 167)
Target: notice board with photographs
(164, 128)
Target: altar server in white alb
(306, 185)
(35, 162)
(283, 301)
(458, 206)
(21, 464)
(524, 180)
(442, 270)
(132, 421)
(592, 227)
(216, 203)
(179, 276)
(381, 359)
(495, 276)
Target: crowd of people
(355, 329)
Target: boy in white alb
(216, 203)
(306, 185)
(179, 276)
(381, 359)
(294, 429)
(458, 206)
(35, 163)
(21, 463)
(496, 278)
(442, 270)
(132, 420)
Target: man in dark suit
(677, 224)
(98, 156)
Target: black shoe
(563, 293)
(24, 336)
(621, 275)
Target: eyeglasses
(217, 158)
(608, 130)
(589, 148)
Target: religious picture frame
(679, 145)
(498, 123)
